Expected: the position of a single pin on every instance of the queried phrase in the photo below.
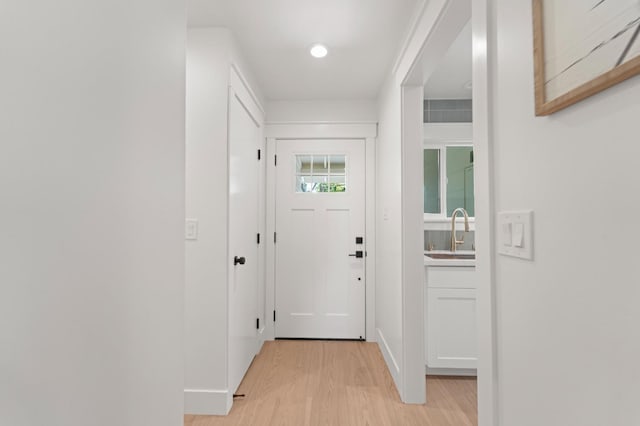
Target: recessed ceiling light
(318, 51)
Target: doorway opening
(445, 125)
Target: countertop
(448, 262)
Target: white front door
(244, 139)
(320, 224)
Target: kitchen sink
(460, 256)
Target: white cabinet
(451, 341)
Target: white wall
(210, 53)
(322, 111)
(91, 212)
(568, 335)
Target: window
(320, 173)
(448, 180)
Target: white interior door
(320, 225)
(244, 139)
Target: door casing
(303, 267)
(328, 131)
(241, 91)
(431, 26)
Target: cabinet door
(451, 328)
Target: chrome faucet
(454, 240)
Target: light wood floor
(338, 383)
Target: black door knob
(239, 260)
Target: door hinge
(258, 154)
(274, 238)
(258, 238)
(258, 323)
(274, 316)
(275, 160)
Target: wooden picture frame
(581, 48)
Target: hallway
(337, 383)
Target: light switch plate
(519, 224)
(191, 229)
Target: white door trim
(240, 89)
(321, 130)
(429, 27)
(413, 357)
(281, 131)
(251, 102)
(488, 396)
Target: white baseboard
(207, 402)
(451, 371)
(392, 365)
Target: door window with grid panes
(320, 173)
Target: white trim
(365, 132)
(321, 131)
(270, 259)
(488, 393)
(237, 74)
(204, 401)
(413, 28)
(463, 372)
(370, 244)
(439, 24)
(389, 359)
(262, 251)
(448, 142)
(288, 123)
(207, 402)
(413, 335)
(238, 88)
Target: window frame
(442, 147)
(328, 175)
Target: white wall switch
(191, 229)
(516, 234)
(506, 236)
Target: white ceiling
(450, 77)
(363, 37)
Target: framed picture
(582, 47)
